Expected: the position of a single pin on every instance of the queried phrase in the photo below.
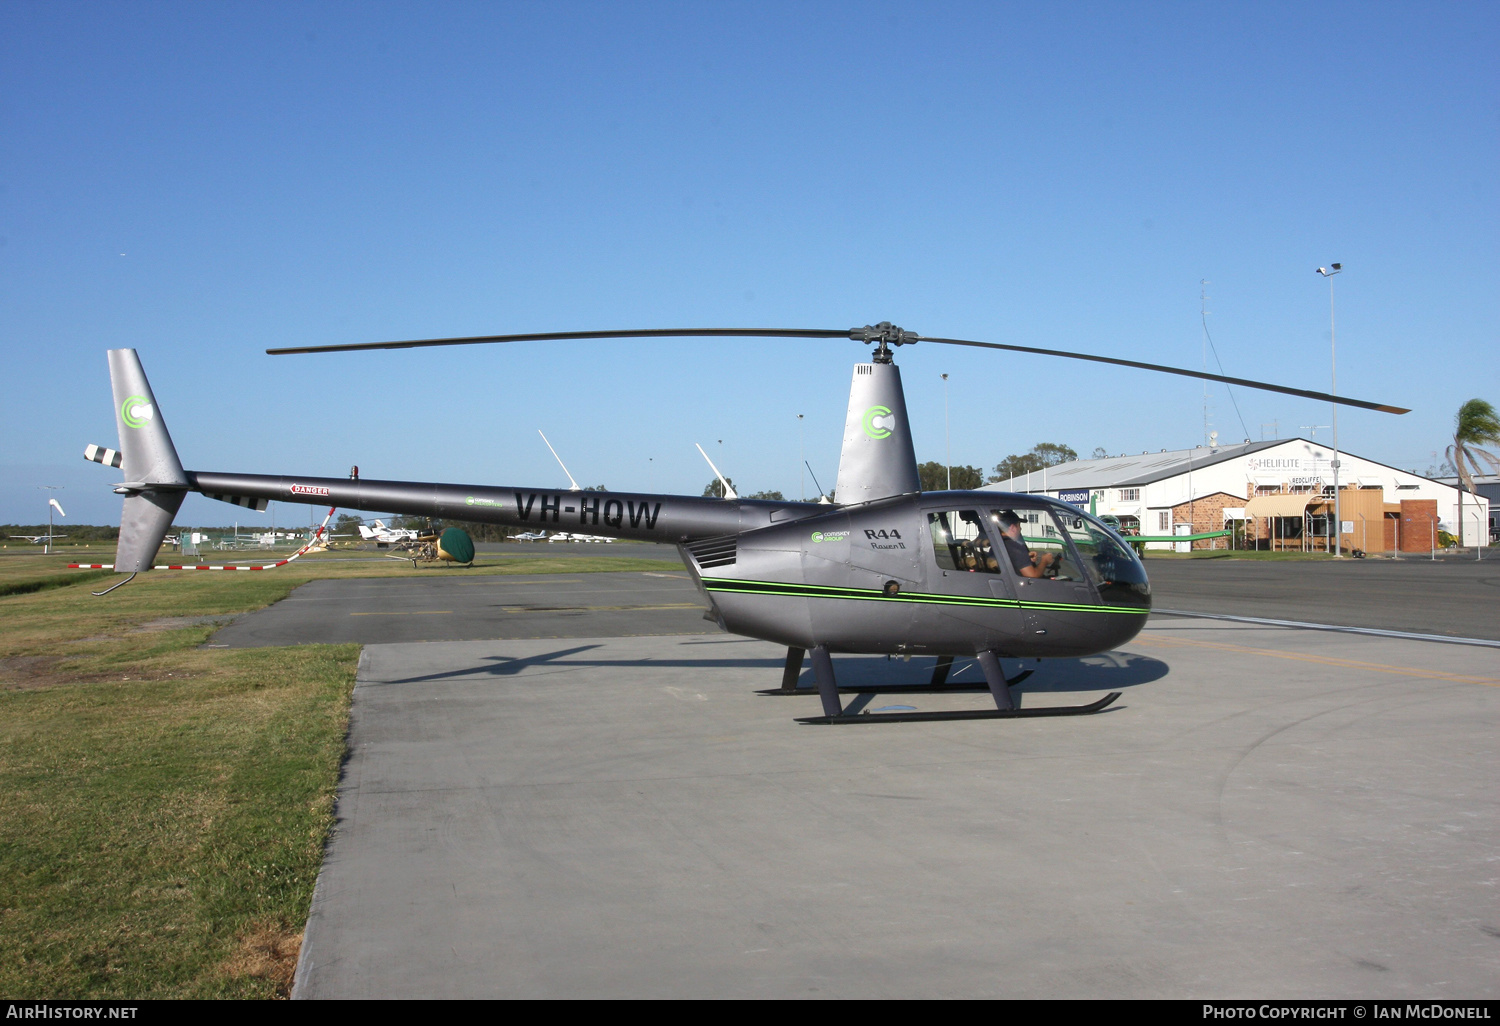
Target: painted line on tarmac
(1352, 664)
(1377, 632)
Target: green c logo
(136, 412)
(879, 422)
(469, 501)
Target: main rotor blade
(1264, 386)
(894, 335)
(556, 336)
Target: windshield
(1042, 544)
(1110, 563)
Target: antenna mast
(1203, 315)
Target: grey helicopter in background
(888, 569)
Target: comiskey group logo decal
(136, 412)
(879, 422)
(829, 536)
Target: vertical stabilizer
(877, 461)
(149, 455)
(154, 483)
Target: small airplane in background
(384, 536)
(530, 536)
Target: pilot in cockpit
(1025, 562)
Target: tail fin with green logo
(155, 482)
(877, 461)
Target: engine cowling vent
(712, 552)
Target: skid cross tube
(897, 689)
(1007, 705)
(967, 714)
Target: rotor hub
(885, 334)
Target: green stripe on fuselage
(738, 587)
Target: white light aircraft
(384, 536)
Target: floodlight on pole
(1333, 355)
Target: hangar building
(1271, 495)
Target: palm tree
(1476, 422)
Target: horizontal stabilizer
(243, 500)
(99, 454)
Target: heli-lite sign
(1290, 463)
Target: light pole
(1333, 355)
(947, 437)
(801, 459)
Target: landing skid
(902, 689)
(966, 714)
(1007, 706)
(938, 685)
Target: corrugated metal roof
(1130, 471)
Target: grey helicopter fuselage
(927, 574)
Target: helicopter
(888, 569)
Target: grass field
(163, 807)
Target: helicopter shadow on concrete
(560, 661)
(1109, 671)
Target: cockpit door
(966, 583)
(1050, 604)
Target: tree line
(935, 476)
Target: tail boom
(643, 517)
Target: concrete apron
(1265, 813)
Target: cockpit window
(1109, 562)
(1046, 544)
(959, 542)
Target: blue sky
(203, 181)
